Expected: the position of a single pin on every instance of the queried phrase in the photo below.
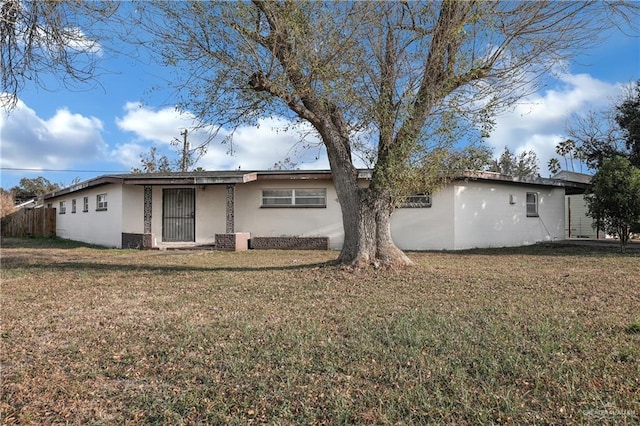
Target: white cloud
(78, 41)
(252, 147)
(68, 139)
(29, 141)
(260, 147)
(538, 122)
(159, 127)
(128, 154)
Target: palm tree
(554, 166)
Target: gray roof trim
(241, 176)
(539, 181)
(99, 181)
(498, 177)
(573, 177)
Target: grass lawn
(539, 335)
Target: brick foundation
(137, 241)
(290, 243)
(238, 241)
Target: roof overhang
(99, 181)
(240, 177)
(569, 186)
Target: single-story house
(299, 208)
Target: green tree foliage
(30, 188)
(152, 162)
(186, 158)
(570, 151)
(554, 165)
(521, 165)
(628, 118)
(614, 200)
(606, 134)
(565, 149)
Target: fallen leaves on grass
(110, 336)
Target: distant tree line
(614, 200)
(26, 190)
(602, 135)
(608, 142)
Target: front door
(178, 214)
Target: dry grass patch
(536, 335)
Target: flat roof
(222, 177)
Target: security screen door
(178, 214)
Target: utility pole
(185, 152)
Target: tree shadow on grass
(587, 248)
(47, 243)
(9, 263)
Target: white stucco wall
(288, 221)
(426, 228)
(465, 214)
(95, 227)
(485, 216)
(132, 209)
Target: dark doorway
(178, 215)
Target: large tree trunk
(367, 231)
(366, 211)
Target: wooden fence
(29, 223)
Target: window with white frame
(294, 197)
(101, 202)
(532, 204)
(85, 204)
(416, 201)
(73, 205)
(63, 207)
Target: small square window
(73, 206)
(101, 202)
(532, 204)
(85, 204)
(63, 207)
(416, 201)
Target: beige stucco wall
(156, 214)
(463, 215)
(277, 222)
(95, 227)
(485, 217)
(210, 212)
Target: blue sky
(103, 128)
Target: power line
(18, 169)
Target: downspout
(569, 215)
